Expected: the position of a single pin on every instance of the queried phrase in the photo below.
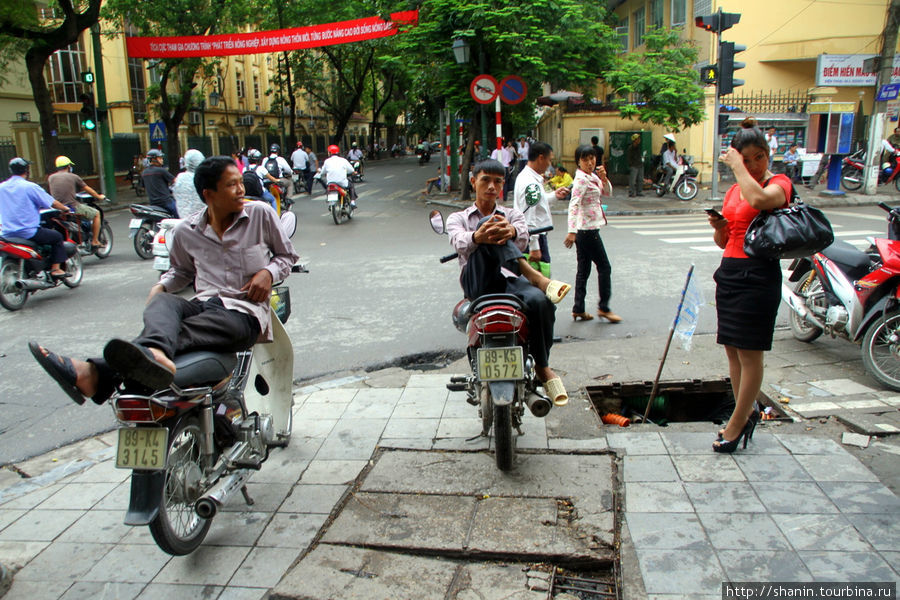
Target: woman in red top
(748, 290)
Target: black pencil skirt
(748, 292)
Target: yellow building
(796, 53)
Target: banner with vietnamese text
(279, 40)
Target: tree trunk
(35, 61)
(466, 162)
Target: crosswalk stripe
(687, 240)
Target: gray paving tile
(429, 380)
(237, 528)
(333, 471)
(805, 444)
(680, 571)
(103, 472)
(893, 559)
(821, 532)
(462, 443)
(411, 428)
(637, 442)
(707, 467)
(321, 410)
(657, 497)
(406, 443)
(648, 468)
(667, 531)
(310, 426)
(12, 498)
(688, 442)
(847, 566)
(835, 467)
(17, 554)
(63, 562)
(313, 498)
(842, 387)
(882, 531)
(91, 590)
(793, 497)
(97, 526)
(772, 468)
(464, 427)
(535, 435)
(243, 593)
(9, 516)
(733, 496)
(30, 590)
(128, 563)
(170, 591)
(598, 444)
(332, 396)
(373, 403)
(267, 497)
(763, 443)
(117, 499)
(40, 525)
(743, 531)
(850, 497)
(265, 566)
(457, 407)
(421, 403)
(352, 439)
(207, 565)
(763, 565)
(291, 530)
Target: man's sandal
(557, 392)
(60, 368)
(557, 290)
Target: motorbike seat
(490, 299)
(19, 241)
(852, 261)
(152, 211)
(203, 367)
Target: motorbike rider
(669, 160)
(64, 184)
(490, 240)
(278, 168)
(21, 202)
(300, 163)
(255, 169)
(356, 154)
(530, 184)
(336, 169)
(158, 182)
(232, 251)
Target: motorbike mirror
(437, 221)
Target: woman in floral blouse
(585, 219)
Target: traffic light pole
(105, 167)
(714, 192)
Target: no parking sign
(513, 89)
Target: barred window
(138, 86)
(679, 12)
(64, 74)
(239, 84)
(622, 32)
(656, 13)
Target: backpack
(252, 184)
(272, 167)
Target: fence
(761, 103)
(203, 144)
(7, 153)
(125, 146)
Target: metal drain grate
(563, 585)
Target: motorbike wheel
(881, 350)
(686, 190)
(177, 529)
(11, 297)
(812, 293)
(851, 178)
(143, 242)
(504, 448)
(336, 213)
(660, 190)
(897, 183)
(106, 241)
(75, 268)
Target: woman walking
(585, 219)
(748, 290)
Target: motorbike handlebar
(449, 257)
(885, 207)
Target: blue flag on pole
(686, 321)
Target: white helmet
(669, 137)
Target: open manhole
(676, 401)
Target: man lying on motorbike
(232, 251)
(490, 240)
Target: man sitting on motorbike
(158, 183)
(21, 202)
(300, 164)
(490, 240)
(337, 169)
(669, 161)
(255, 176)
(278, 167)
(64, 184)
(356, 154)
(232, 251)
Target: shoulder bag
(793, 232)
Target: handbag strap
(795, 197)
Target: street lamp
(214, 99)
(461, 51)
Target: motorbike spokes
(11, 297)
(881, 350)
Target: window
(702, 7)
(64, 74)
(679, 12)
(239, 84)
(656, 13)
(638, 19)
(622, 32)
(256, 87)
(138, 89)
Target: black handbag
(793, 232)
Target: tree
(662, 81)
(22, 28)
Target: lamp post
(462, 53)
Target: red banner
(279, 40)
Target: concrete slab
(842, 387)
(847, 566)
(821, 532)
(743, 531)
(881, 530)
(871, 424)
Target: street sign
(888, 92)
(483, 89)
(157, 131)
(513, 89)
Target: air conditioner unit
(195, 118)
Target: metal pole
(105, 167)
(454, 156)
(483, 116)
(714, 192)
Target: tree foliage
(662, 80)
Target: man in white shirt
(772, 141)
(300, 162)
(530, 198)
(669, 163)
(337, 169)
(356, 155)
(522, 151)
(504, 156)
(278, 167)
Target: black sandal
(60, 368)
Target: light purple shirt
(21, 202)
(462, 225)
(221, 267)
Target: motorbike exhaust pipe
(207, 506)
(31, 285)
(538, 405)
(797, 304)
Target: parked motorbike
(81, 233)
(684, 181)
(143, 227)
(503, 380)
(854, 165)
(25, 266)
(852, 294)
(134, 178)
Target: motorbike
(25, 266)
(684, 181)
(81, 234)
(283, 202)
(854, 165)
(299, 181)
(134, 178)
(356, 176)
(502, 382)
(424, 155)
(143, 227)
(848, 293)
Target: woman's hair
(489, 166)
(583, 149)
(749, 135)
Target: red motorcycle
(25, 266)
(843, 291)
(854, 165)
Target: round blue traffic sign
(513, 89)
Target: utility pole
(106, 169)
(885, 66)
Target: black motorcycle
(143, 227)
(80, 230)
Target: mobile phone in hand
(714, 213)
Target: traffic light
(87, 112)
(708, 74)
(87, 77)
(718, 22)
(727, 67)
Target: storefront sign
(846, 70)
(259, 42)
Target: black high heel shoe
(727, 447)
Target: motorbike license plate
(142, 448)
(500, 364)
(161, 263)
(135, 223)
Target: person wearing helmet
(158, 182)
(669, 160)
(356, 154)
(21, 202)
(337, 169)
(64, 184)
(186, 198)
(254, 176)
(278, 167)
(300, 164)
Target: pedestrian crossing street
(692, 230)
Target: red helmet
(299, 144)
(333, 149)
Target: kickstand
(519, 431)
(475, 437)
(246, 494)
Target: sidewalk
(381, 495)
